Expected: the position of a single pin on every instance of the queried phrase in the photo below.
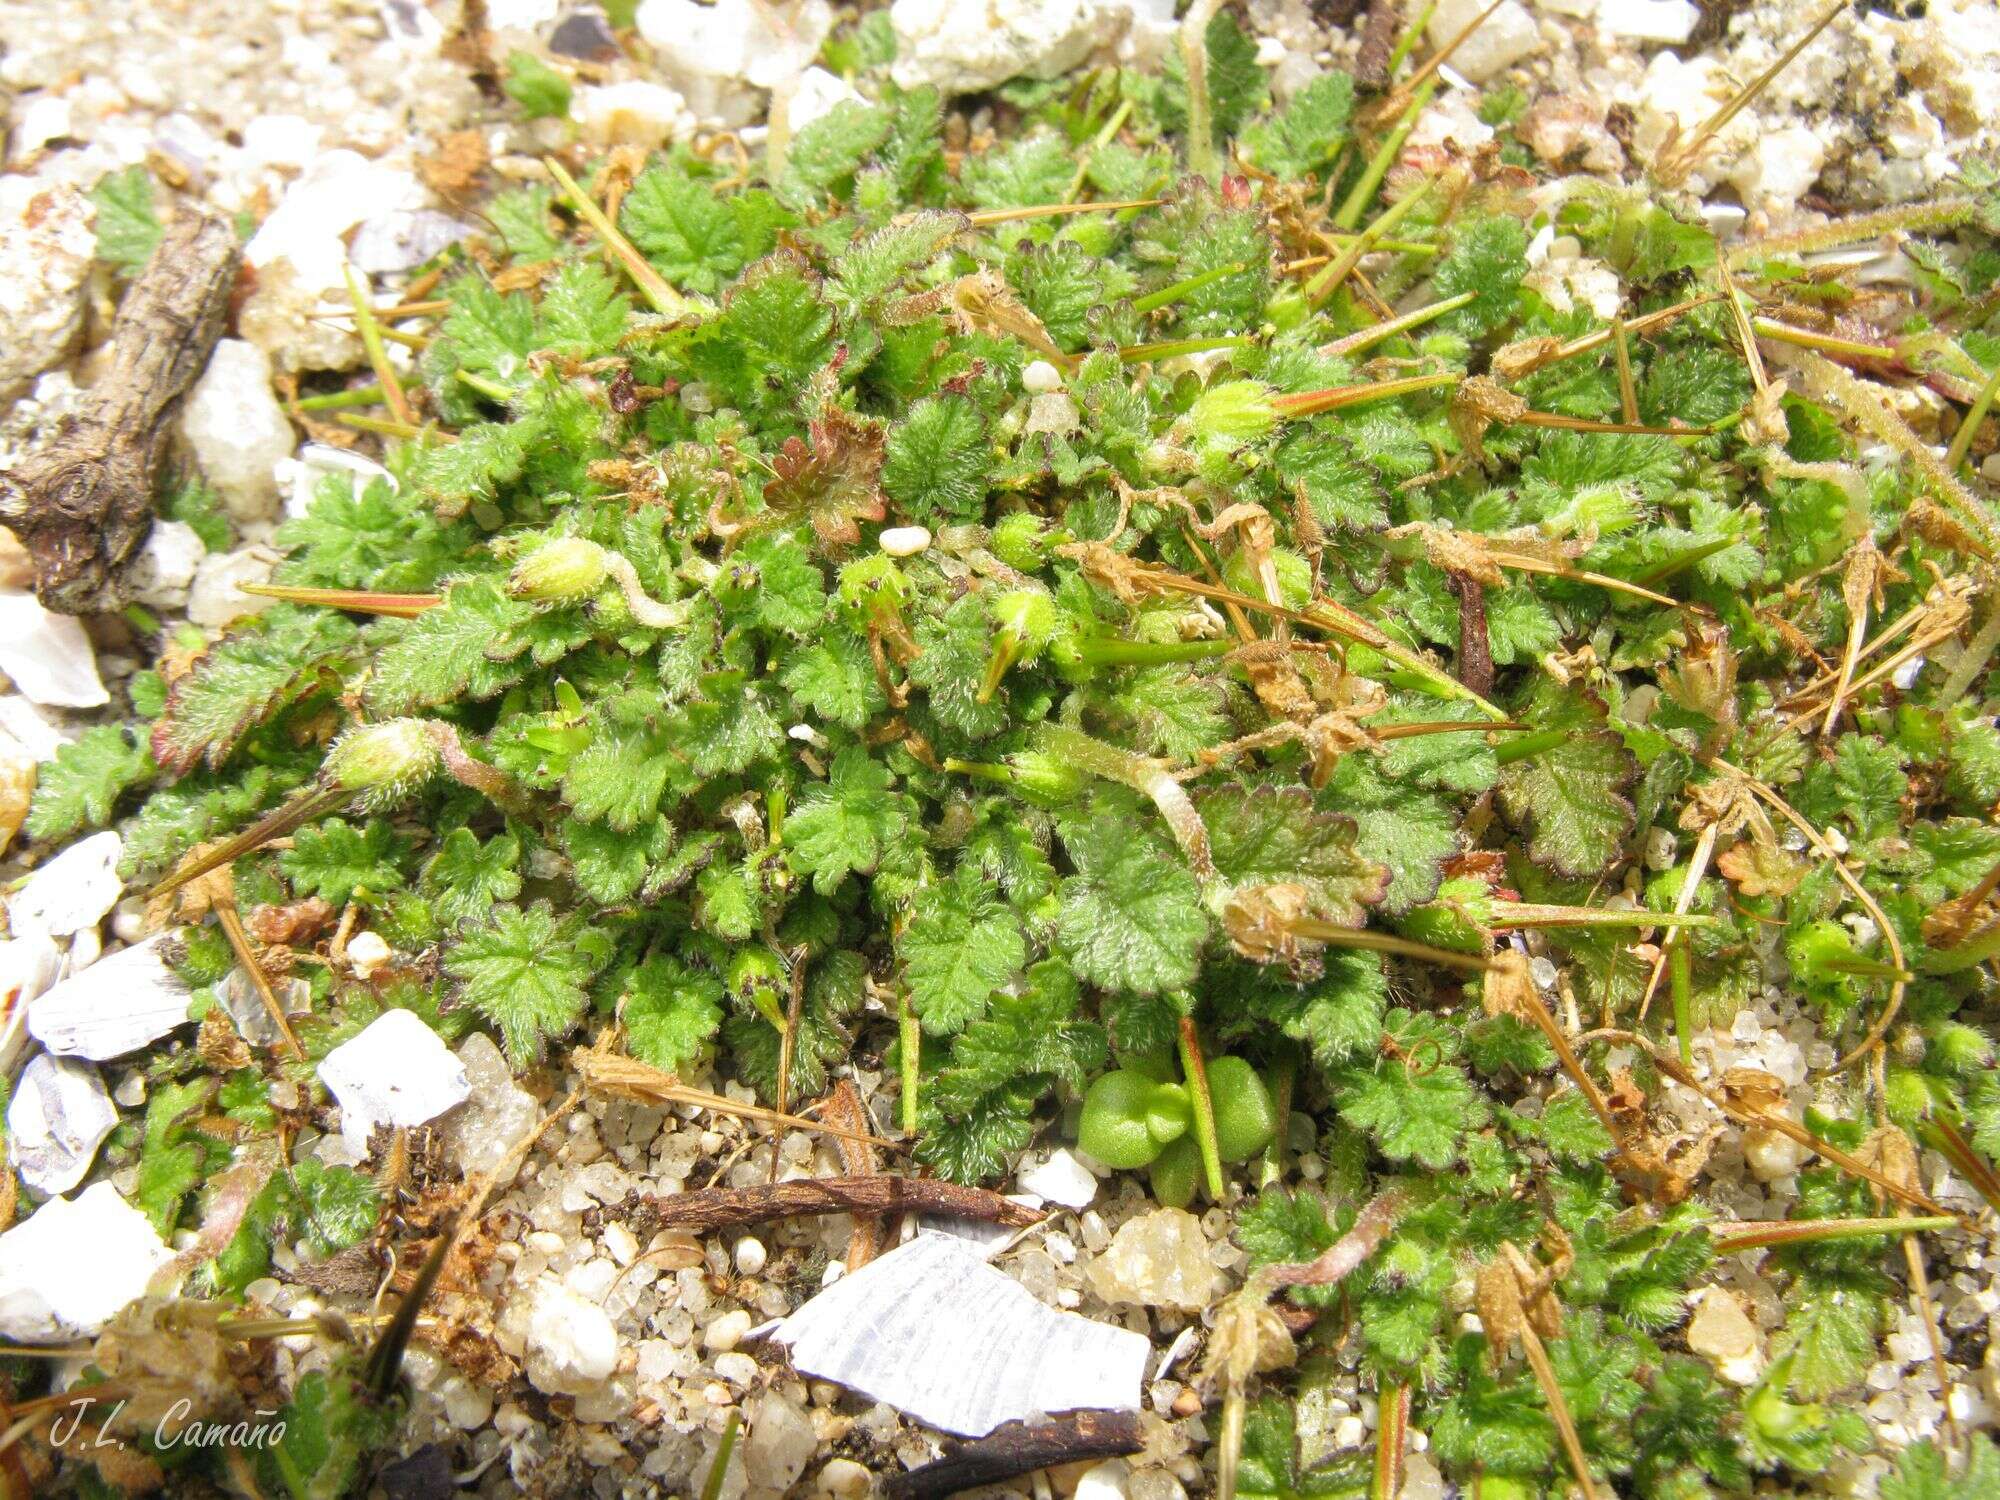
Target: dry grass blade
(651, 284)
(989, 216)
(1679, 158)
(358, 601)
(239, 943)
(627, 1077)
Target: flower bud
(561, 570)
(1236, 411)
(381, 761)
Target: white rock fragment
(816, 94)
(165, 567)
(59, 1116)
(572, 1347)
(216, 596)
(280, 140)
(904, 541)
(47, 245)
(1676, 98)
(1770, 1155)
(1669, 21)
(117, 1005)
(1779, 169)
(301, 477)
(963, 46)
(722, 57)
(633, 113)
(44, 118)
(72, 891)
(1039, 378)
(403, 239)
(47, 655)
(1722, 1333)
(1158, 1259)
(22, 722)
(237, 429)
(1061, 1179)
(367, 952)
(932, 1329)
(74, 1265)
(497, 1114)
(396, 1072)
(780, 1443)
(1105, 1481)
(1501, 40)
(726, 1332)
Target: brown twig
(722, 1208)
(1475, 647)
(1378, 41)
(1020, 1448)
(844, 1108)
(83, 503)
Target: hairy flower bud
(382, 761)
(560, 571)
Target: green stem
(1969, 954)
(1195, 1068)
(1321, 286)
(1336, 935)
(911, 1038)
(366, 395)
(1729, 1239)
(1364, 190)
(1684, 559)
(1202, 159)
(1972, 660)
(651, 284)
(1167, 296)
(1507, 915)
(711, 1487)
(1100, 652)
(493, 390)
(1284, 1077)
(1961, 442)
(1529, 745)
(1681, 976)
(1367, 338)
(1173, 348)
(1407, 43)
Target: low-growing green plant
(986, 615)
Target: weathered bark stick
(83, 503)
(1378, 40)
(719, 1208)
(1020, 1448)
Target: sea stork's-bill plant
(1272, 634)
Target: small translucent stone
(1040, 377)
(726, 1331)
(1159, 1259)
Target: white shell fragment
(1061, 1179)
(904, 541)
(59, 1116)
(72, 891)
(117, 1005)
(48, 656)
(935, 1331)
(396, 1072)
(74, 1265)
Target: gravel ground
(361, 130)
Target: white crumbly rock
(367, 952)
(237, 429)
(74, 1265)
(963, 46)
(1061, 1179)
(300, 261)
(725, 57)
(47, 655)
(572, 1346)
(1501, 40)
(1675, 98)
(47, 242)
(397, 1071)
(1779, 169)
(633, 113)
(816, 94)
(904, 541)
(30, 727)
(162, 572)
(216, 596)
(497, 1114)
(58, 1117)
(1109, 1480)
(1722, 1333)
(1158, 1259)
(72, 891)
(1669, 21)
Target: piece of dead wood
(1020, 1448)
(720, 1208)
(83, 502)
(1475, 647)
(1378, 42)
(845, 1109)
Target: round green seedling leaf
(1168, 1112)
(1175, 1173)
(1245, 1118)
(1113, 1128)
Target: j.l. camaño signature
(174, 1429)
